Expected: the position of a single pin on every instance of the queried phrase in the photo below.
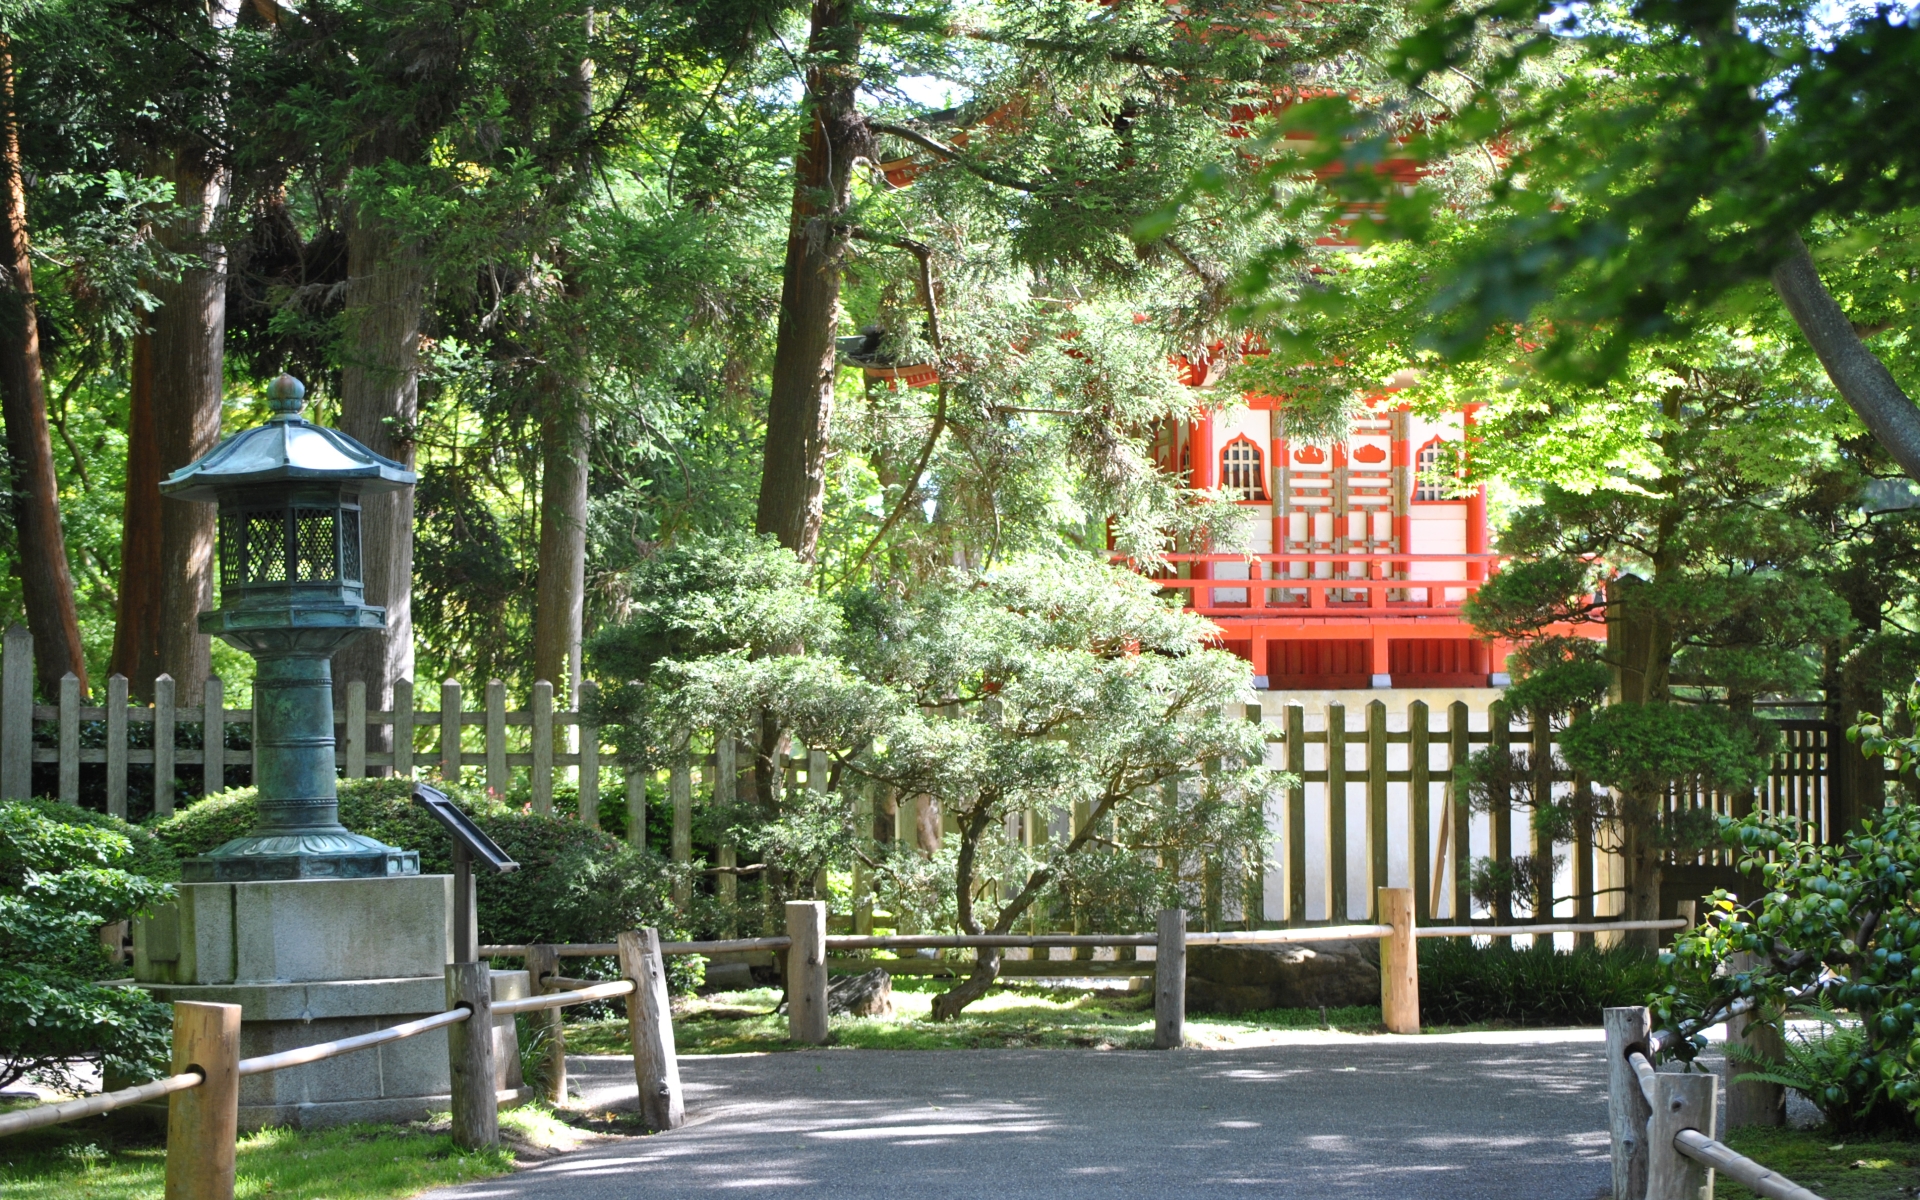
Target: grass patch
(1834, 1166)
(1010, 1017)
(95, 1160)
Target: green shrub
(1838, 926)
(64, 874)
(575, 883)
(1464, 984)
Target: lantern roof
(287, 449)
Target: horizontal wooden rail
(598, 991)
(1430, 931)
(301, 1055)
(1644, 1072)
(88, 1106)
(1282, 937)
(1738, 1167)
(957, 941)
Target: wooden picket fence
(1375, 804)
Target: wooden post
(203, 1122)
(1500, 738)
(117, 746)
(1377, 799)
(1170, 980)
(1399, 962)
(1419, 810)
(542, 746)
(496, 737)
(403, 728)
(476, 1116)
(542, 964)
(656, 1069)
(1541, 785)
(1628, 1029)
(164, 717)
(1751, 1101)
(450, 731)
(16, 714)
(1297, 816)
(70, 738)
(863, 848)
(726, 777)
(213, 738)
(589, 758)
(807, 972)
(356, 730)
(1458, 751)
(637, 809)
(817, 772)
(1679, 1102)
(1337, 813)
(680, 793)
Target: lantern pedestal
(311, 960)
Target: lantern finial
(286, 396)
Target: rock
(1238, 979)
(869, 995)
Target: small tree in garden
(1064, 688)
(1837, 929)
(1681, 531)
(64, 873)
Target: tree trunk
(566, 435)
(1861, 378)
(188, 346)
(1640, 851)
(800, 406)
(46, 583)
(136, 625)
(379, 403)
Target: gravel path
(1453, 1117)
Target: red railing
(1354, 584)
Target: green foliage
(61, 879)
(1464, 984)
(1827, 1066)
(1839, 925)
(1641, 748)
(575, 883)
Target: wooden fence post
(1170, 980)
(542, 964)
(117, 746)
(402, 739)
(807, 972)
(1399, 962)
(16, 714)
(1297, 816)
(680, 794)
(356, 730)
(1337, 813)
(1679, 1102)
(1420, 810)
(450, 731)
(202, 1122)
(476, 1116)
(1377, 800)
(163, 726)
(589, 758)
(1750, 1101)
(496, 751)
(213, 737)
(656, 1070)
(70, 738)
(542, 746)
(1628, 1029)
(1500, 741)
(1458, 750)
(637, 809)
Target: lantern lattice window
(350, 543)
(313, 533)
(266, 548)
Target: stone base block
(403, 1080)
(298, 930)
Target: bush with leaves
(64, 873)
(1838, 925)
(1464, 984)
(575, 883)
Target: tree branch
(952, 155)
(1862, 379)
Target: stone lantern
(291, 593)
(315, 932)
